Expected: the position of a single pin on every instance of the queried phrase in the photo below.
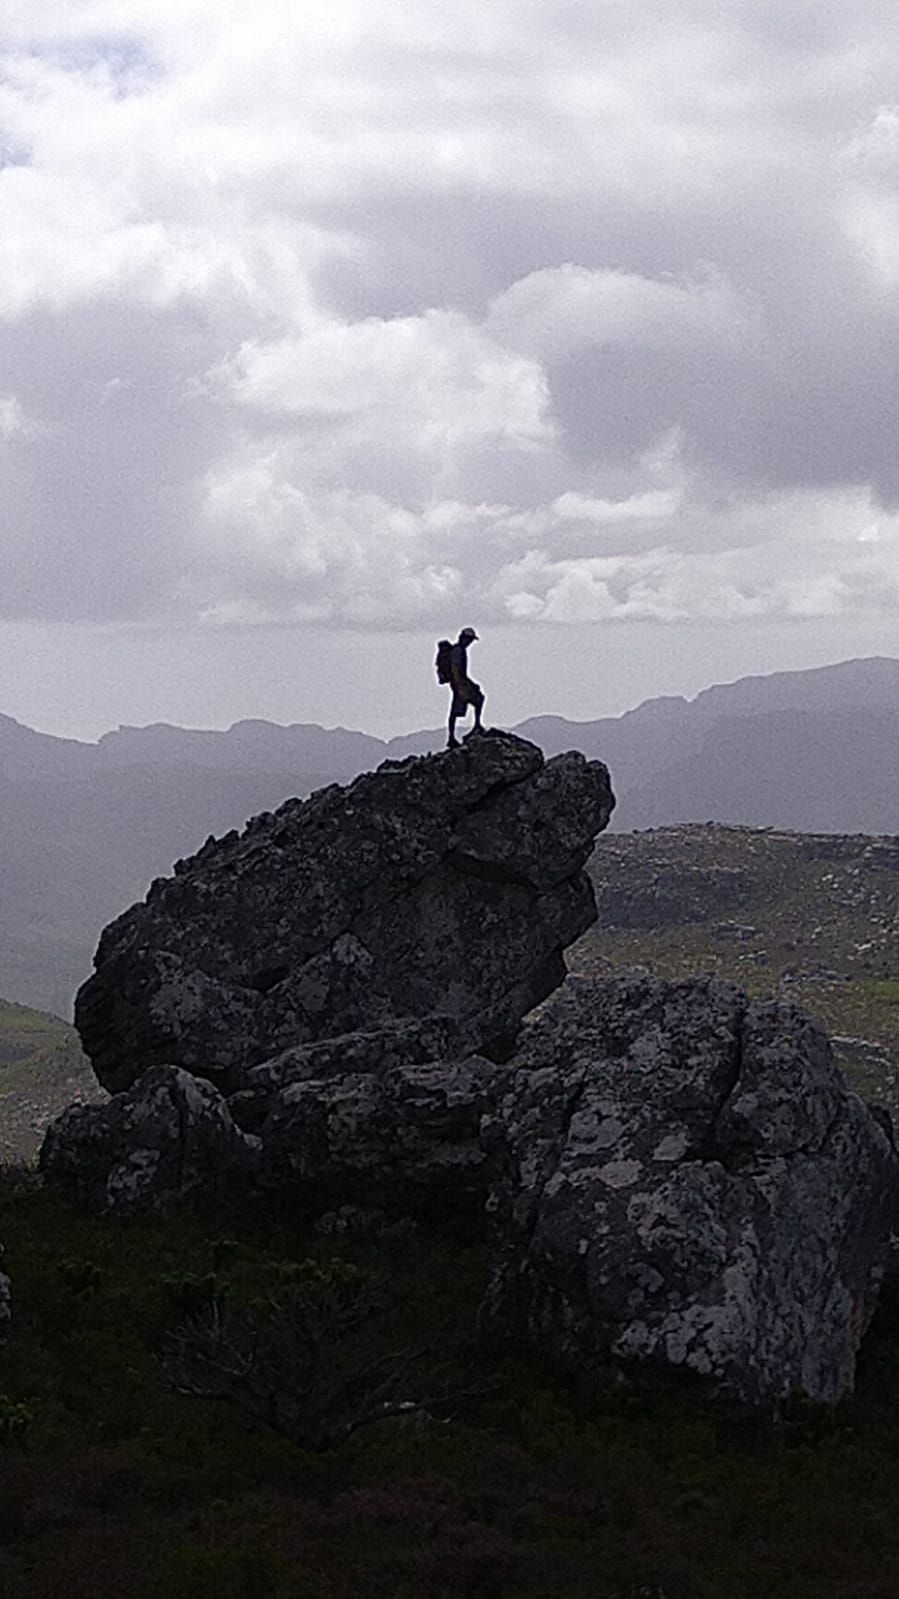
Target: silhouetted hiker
(452, 668)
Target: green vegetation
(112, 1483)
(29, 1036)
(42, 1069)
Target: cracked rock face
(375, 1122)
(685, 1179)
(144, 1149)
(447, 884)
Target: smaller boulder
(393, 1134)
(168, 1134)
(370, 1050)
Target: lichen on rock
(168, 1134)
(685, 1178)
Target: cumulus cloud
(843, 557)
(13, 421)
(436, 375)
(356, 313)
(560, 310)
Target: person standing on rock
(452, 668)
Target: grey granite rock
(394, 1135)
(447, 884)
(371, 1050)
(684, 1178)
(147, 1147)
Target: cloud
(842, 560)
(435, 374)
(356, 313)
(560, 310)
(282, 554)
(13, 421)
(354, 558)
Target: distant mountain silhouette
(810, 771)
(87, 826)
(246, 745)
(656, 745)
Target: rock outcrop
(444, 885)
(168, 1134)
(684, 1178)
(671, 1172)
(370, 1051)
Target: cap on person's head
(468, 632)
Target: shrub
(290, 1361)
(16, 1420)
(79, 1276)
(191, 1293)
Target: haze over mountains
(87, 826)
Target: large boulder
(447, 884)
(673, 1173)
(685, 1179)
(147, 1147)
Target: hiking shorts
(467, 693)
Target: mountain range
(87, 826)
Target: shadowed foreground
(111, 1484)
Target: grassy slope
(28, 1035)
(42, 1069)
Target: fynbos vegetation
(121, 1472)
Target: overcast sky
(329, 326)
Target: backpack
(443, 664)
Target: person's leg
(478, 703)
(452, 740)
